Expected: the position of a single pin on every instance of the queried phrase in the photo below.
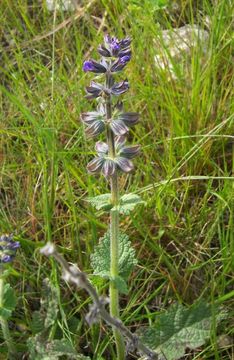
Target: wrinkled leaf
(179, 328)
(52, 350)
(101, 202)
(61, 347)
(49, 302)
(128, 202)
(8, 302)
(100, 260)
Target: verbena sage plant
(114, 258)
(113, 156)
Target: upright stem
(114, 235)
(4, 324)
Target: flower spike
(94, 66)
(114, 48)
(115, 56)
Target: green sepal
(180, 328)
(8, 302)
(101, 202)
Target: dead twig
(73, 275)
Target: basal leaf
(100, 260)
(52, 350)
(8, 303)
(61, 347)
(128, 202)
(101, 202)
(179, 328)
(49, 303)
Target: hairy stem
(114, 234)
(4, 324)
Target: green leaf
(101, 202)
(128, 202)
(121, 285)
(100, 260)
(37, 323)
(49, 303)
(8, 302)
(60, 348)
(52, 350)
(179, 328)
(43, 319)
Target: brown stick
(73, 275)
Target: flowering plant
(114, 257)
(113, 157)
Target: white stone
(175, 47)
(62, 5)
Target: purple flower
(115, 48)
(120, 88)
(94, 66)
(124, 59)
(101, 164)
(119, 64)
(94, 90)
(95, 121)
(124, 164)
(8, 248)
(6, 258)
(124, 43)
(108, 166)
(122, 150)
(121, 123)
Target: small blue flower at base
(8, 248)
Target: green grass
(184, 236)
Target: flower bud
(94, 90)
(115, 48)
(120, 87)
(94, 66)
(119, 64)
